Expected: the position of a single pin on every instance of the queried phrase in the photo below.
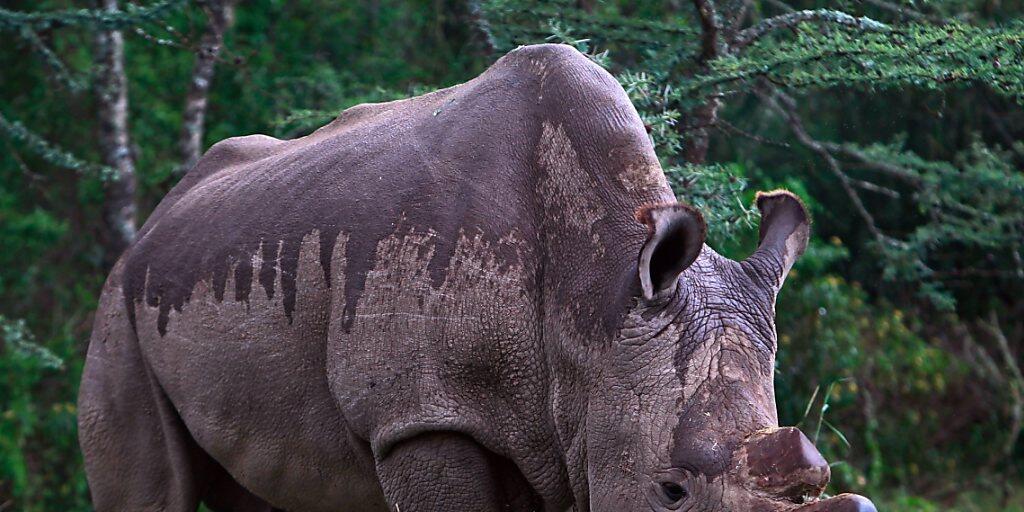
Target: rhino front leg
(446, 471)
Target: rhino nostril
(673, 492)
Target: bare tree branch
(727, 126)
(736, 18)
(1015, 383)
(878, 189)
(119, 210)
(786, 106)
(748, 36)
(878, 165)
(219, 16)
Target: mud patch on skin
(463, 356)
(565, 189)
(642, 177)
(725, 358)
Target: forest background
(899, 123)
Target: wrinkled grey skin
(485, 298)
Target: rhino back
(432, 161)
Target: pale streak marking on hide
(473, 335)
(566, 187)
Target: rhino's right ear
(675, 236)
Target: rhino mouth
(840, 503)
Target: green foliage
(130, 16)
(37, 431)
(46, 150)
(875, 368)
(717, 191)
(913, 55)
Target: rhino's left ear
(675, 235)
(785, 229)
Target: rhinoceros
(482, 298)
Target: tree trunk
(119, 210)
(219, 16)
(697, 131)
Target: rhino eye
(673, 492)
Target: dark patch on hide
(458, 159)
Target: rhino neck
(595, 167)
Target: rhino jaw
(841, 503)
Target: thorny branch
(719, 38)
(749, 35)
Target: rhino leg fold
(441, 471)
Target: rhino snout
(782, 462)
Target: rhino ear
(785, 228)
(675, 236)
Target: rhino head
(682, 413)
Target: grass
(969, 501)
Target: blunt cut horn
(783, 234)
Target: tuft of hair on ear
(648, 214)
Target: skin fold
(484, 298)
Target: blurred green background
(899, 123)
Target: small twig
(22, 166)
(789, 20)
(968, 273)
(139, 31)
(786, 106)
(782, 6)
(727, 126)
(863, 158)
(906, 12)
(60, 70)
(878, 189)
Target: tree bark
(700, 120)
(119, 210)
(219, 16)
